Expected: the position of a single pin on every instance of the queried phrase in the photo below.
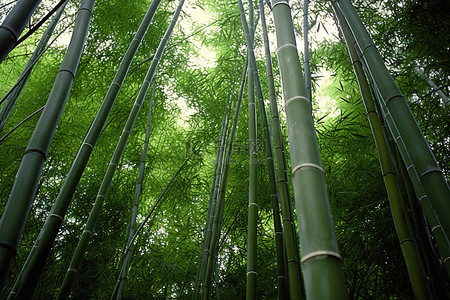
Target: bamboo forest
(230, 149)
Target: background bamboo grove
(269, 171)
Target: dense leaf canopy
(196, 84)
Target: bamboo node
(11, 31)
(72, 269)
(253, 204)
(435, 227)
(92, 147)
(118, 85)
(252, 272)
(445, 260)
(406, 240)
(294, 170)
(295, 98)
(422, 197)
(281, 2)
(320, 253)
(286, 45)
(88, 231)
(68, 71)
(58, 216)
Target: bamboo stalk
(306, 50)
(422, 157)
(408, 245)
(223, 187)
(215, 187)
(137, 193)
(14, 24)
(442, 240)
(321, 261)
(25, 186)
(104, 188)
(36, 259)
(11, 100)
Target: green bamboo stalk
(306, 50)
(223, 187)
(3, 138)
(215, 187)
(437, 231)
(291, 242)
(41, 249)
(13, 25)
(435, 273)
(25, 186)
(441, 238)
(422, 157)
(408, 245)
(104, 188)
(11, 100)
(137, 193)
(149, 215)
(252, 273)
(290, 238)
(321, 261)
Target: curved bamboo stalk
(41, 249)
(408, 245)
(134, 211)
(321, 261)
(13, 25)
(11, 100)
(104, 188)
(25, 186)
(422, 157)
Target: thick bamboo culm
(36, 259)
(430, 175)
(321, 262)
(12, 96)
(407, 242)
(25, 186)
(14, 24)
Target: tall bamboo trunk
(134, 211)
(36, 259)
(223, 187)
(408, 245)
(441, 238)
(214, 193)
(104, 188)
(25, 185)
(321, 261)
(16, 90)
(14, 24)
(422, 157)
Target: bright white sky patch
(203, 57)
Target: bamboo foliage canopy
(349, 233)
